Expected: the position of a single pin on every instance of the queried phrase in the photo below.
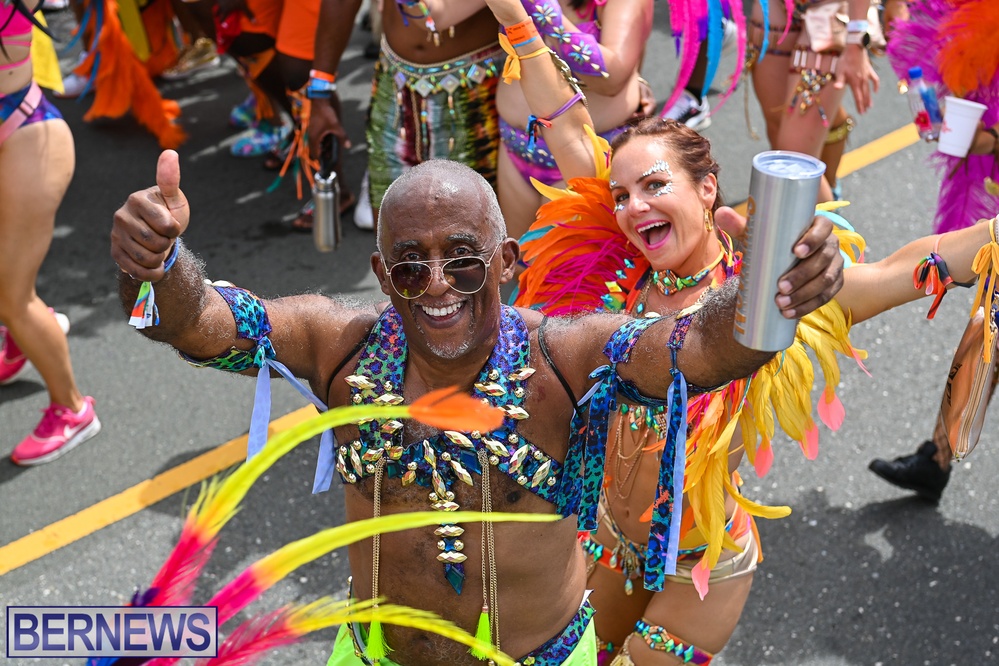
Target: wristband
(144, 311)
(859, 25)
(172, 257)
(521, 32)
(321, 75)
(320, 89)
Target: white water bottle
(924, 106)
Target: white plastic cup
(960, 123)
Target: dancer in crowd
(618, 31)
(443, 255)
(433, 94)
(36, 165)
(803, 109)
(645, 237)
(951, 42)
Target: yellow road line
(880, 148)
(138, 497)
(869, 153)
(132, 500)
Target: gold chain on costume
(634, 458)
(490, 597)
(376, 540)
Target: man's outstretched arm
(194, 318)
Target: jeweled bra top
(450, 457)
(440, 461)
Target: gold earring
(709, 220)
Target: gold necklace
(620, 484)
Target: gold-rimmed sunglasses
(466, 275)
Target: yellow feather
(550, 192)
(286, 559)
(601, 151)
(755, 509)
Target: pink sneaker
(13, 362)
(59, 431)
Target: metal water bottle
(326, 229)
(783, 189)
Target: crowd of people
(630, 405)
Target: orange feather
(969, 51)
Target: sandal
(303, 222)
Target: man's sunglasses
(466, 275)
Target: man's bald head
(437, 181)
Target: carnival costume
(443, 110)
(579, 261)
(954, 42)
(119, 77)
(572, 486)
(581, 51)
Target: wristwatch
(859, 39)
(857, 33)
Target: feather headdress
(219, 501)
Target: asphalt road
(859, 574)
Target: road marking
(868, 154)
(128, 502)
(132, 500)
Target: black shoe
(917, 471)
(372, 50)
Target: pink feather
(700, 574)
(253, 639)
(810, 445)
(764, 458)
(788, 17)
(235, 596)
(831, 411)
(174, 583)
(688, 59)
(963, 198)
(740, 58)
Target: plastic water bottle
(924, 105)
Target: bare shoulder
(575, 344)
(315, 331)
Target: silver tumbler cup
(325, 222)
(783, 189)
(326, 228)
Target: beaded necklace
(670, 283)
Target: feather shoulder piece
(578, 260)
